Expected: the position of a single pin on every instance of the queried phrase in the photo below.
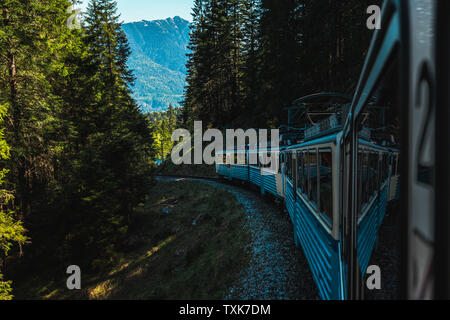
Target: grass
(188, 242)
(168, 168)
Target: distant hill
(158, 59)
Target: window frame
(327, 219)
(327, 223)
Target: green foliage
(163, 125)
(80, 147)
(11, 229)
(5, 289)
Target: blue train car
(309, 180)
(237, 165)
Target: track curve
(278, 270)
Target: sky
(137, 10)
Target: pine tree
(11, 229)
(25, 42)
(214, 91)
(279, 67)
(112, 172)
(251, 14)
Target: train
(308, 182)
(388, 142)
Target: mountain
(158, 59)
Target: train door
(373, 120)
(351, 275)
(346, 250)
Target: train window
(280, 157)
(359, 182)
(366, 181)
(305, 163)
(387, 166)
(313, 178)
(300, 170)
(363, 179)
(326, 183)
(289, 165)
(396, 165)
(369, 176)
(373, 173)
(381, 170)
(293, 167)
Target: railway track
(278, 270)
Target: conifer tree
(114, 157)
(11, 229)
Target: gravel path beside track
(278, 270)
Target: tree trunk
(16, 112)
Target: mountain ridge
(158, 60)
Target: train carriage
(313, 200)
(336, 187)
(311, 178)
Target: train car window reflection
(326, 183)
(300, 170)
(373, 173)
(364, 183)
(359, 181)
(313, 177)
(280, 158)
(396, 165)
(289, 165)
(305, 162)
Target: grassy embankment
(188, 242)
(168, 168)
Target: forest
(76, 150)
(251, 58)
(75, 147)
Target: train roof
(333, 138)
(322, 140)
(253, 150)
